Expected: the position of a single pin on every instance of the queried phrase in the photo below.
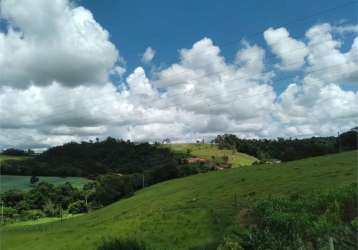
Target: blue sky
(168, 26)
(285, 69)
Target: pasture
(212, 153)
(186, 212)
(8, 182)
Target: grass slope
(206, 151)
(186, 212)
(10, 157)
(8, 182)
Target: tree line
(289, 149)
(90, 159)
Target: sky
(183, 70)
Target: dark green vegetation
(304, 221)
(17, 152)
(117, 244)
(211, 152)
(22, 183)
(289, 149)
(88, 159)
(199, 211)
(45, 200)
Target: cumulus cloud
(343, 29)
(148, 55)
(315, 107)
(291, 51)
(118, 71)
(70, 95)
(48, 41)
(324, 52)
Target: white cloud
(346, 29)
(148, 55)
(324, 52)
(291, 51)
(70, 96)
(50, 41)
(315, 107)
(118, 71)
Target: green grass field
(9, 157)
(206, 151)
(186, 212)
(8, 182)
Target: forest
(289, 149)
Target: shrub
(230, 244)
(78, 207)
(32, 214)
(120, 244)
(305, 221)
(34, 179)
(51, 209)
(111, 188)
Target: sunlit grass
(186, 212)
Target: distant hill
(91, 159)
(12, 157)
(187, 212)
(211, 152)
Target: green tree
(78, 207)
(34, 179)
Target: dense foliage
(91, 159)
(43, 199)
(304, 221)
(17, 152)
(289, 149)
(119, 244)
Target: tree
(14, 152)
(78, 207)
(348, 140)
(113, 187)
(34, 179)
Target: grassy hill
(213, 153)
(10, 157)
(186, 212)
(8, 182)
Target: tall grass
(121, 244)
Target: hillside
(10, 157)
(91, 159)
(186, 212)
(207, 151)
(8, 182)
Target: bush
(305, 221)
(51, 209)
(32, 214)
(119, 244)
(34, 179)
(111, 188)
(230, 244)
(78, 207)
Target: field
(9, 157)
(8, 182)
(186, 212)
(207, 151)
